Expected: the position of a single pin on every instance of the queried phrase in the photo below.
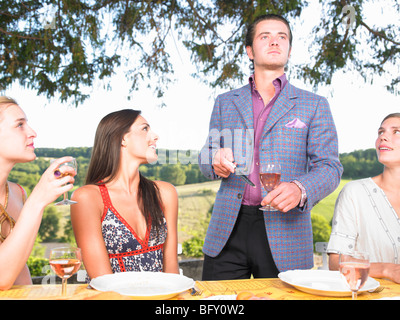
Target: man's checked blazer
(307, 153)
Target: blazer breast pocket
(294, 131)
(291, 142)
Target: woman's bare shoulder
(17, 189)
(167, 190)
(86, 191)
(88, 196)
(169, 197)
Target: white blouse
(364, 220)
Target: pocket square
(296, 123)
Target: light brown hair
(392, 115)
(5, 102)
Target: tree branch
(191, 4)
(379, 34)
(19, 35)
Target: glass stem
(354, 295)
(64, 286)
(267, 206)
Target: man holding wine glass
(275, 123)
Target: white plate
(143, 285)
(323, 282)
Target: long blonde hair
(5, 102)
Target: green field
(326, 206)
(195, 200)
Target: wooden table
(273, 288)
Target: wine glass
(74, 165)
(354, 267)
(270, 175)
(65, 261)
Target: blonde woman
(20, 217)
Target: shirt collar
(278, 83)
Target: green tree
(59, 48)
(192, 174)
(173, 173)
(69, 235)
(27, 180)
(37, 266)
(321, 228)
(345, 40)
(38, 250)
(50, 224)
(360, 164)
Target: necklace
(6, 197)
(5, 217)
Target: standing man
(268, 120)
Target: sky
(357, 108)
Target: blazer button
(239, 196)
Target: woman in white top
(367, 211)
(20, 219)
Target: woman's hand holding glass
(62, 173)
(51, 185)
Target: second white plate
(323, 282)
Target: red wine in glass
(270, 180)
(270, 176)
(65, 261)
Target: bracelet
(303, 193)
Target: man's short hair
(252, 28)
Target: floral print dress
(126, 250)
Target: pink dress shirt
(253, 196)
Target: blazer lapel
(282, 105)
(244, 104)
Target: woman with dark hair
(20, 217)
(121, 218)
(367, 211)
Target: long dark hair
(105, 160)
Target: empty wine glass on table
(65, 261)
(73, 164)
(270, 176)
(354, 267)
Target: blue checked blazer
(308, 154)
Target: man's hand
(222, 162)
(284, 197)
